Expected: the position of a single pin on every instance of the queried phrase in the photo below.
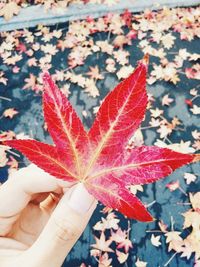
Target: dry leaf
(9, 10)
(10, 113)
(122, 257)
(189, 177)
(155, 240)
(140, 263)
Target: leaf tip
(145, 59)
(150, 219)
(46, 76)
(196, 158)
(4, 143)
(145, 217)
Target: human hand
(41, 218)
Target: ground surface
(50, 12)
(88, 59)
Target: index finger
(16, 192)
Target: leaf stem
(168, 262)
(5, 98)
(182, 190)
(154, 231)
(150, 204)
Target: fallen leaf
(140, 263)
(195, 110)
(102, 244)
(121, 256)
(10, 113)
(94, 73)
(166, 100)
(155, 240)
(102, 151)
(9, 10)
(173, 186)
(189, 177)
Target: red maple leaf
(99, 159)
(127, 17)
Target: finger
(9, 243)
(50, 202)
(63, 229)
(16, 192)
(40, 197)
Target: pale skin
(41, 218)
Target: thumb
(63, 229)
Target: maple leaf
(190, 244)
(166, 100)
(195, 200)
(140, 263)
(155, 240)
(174, 240)
(164, 131)
(194, 72)
(154, 122)
(10, 113)
(126, 244)
(168, 40)
(90, 88)
(182, 147)
(30, 82)
(6, 136)
(13, 59)
(9, 10)
(124, 72)
(162, 226)
(187, 249)
(196, 144)
(121, 238)
(136, 140)
(119, 235)
(173, 186)
(121, 56)
(120, 41)
(156, 112)
(189, 177)
(111, 222)
(127, 17)
(194, 57)
(196, 134)
(99, 159)
(94, 73)
(102, 244)
(195, 110)
(110, 67)
(105, 47)
(121, 256)
(21, 47)
(135, 188)
(16, 69)
(49, 49)
(105, 261)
